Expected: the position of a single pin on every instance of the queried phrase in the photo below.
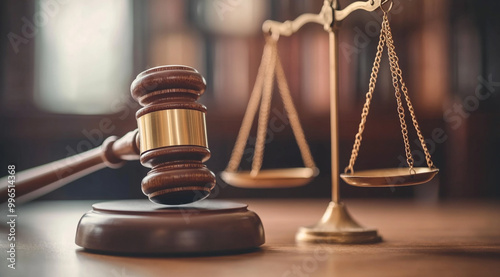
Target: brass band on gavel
(172, 127)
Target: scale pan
(270, 178)
(389, 177)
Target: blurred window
(83, 56)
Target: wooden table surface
(460, 238)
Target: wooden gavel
(171, 140)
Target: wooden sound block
(140, 227)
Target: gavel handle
(35, 182)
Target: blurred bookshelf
(444, 47)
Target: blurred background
(66, 68)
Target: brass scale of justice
(336, 225)
(178, 176)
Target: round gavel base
(140, 227)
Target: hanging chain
(265, 107)
(253, 105)
(396, 72)
(269, 68)
(393, 62)
(293, 116)
(366, 106)
(397, 77)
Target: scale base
(337, 227)
(140, 227)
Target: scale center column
(334, 117)
(336, 225)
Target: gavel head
(172, 134)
